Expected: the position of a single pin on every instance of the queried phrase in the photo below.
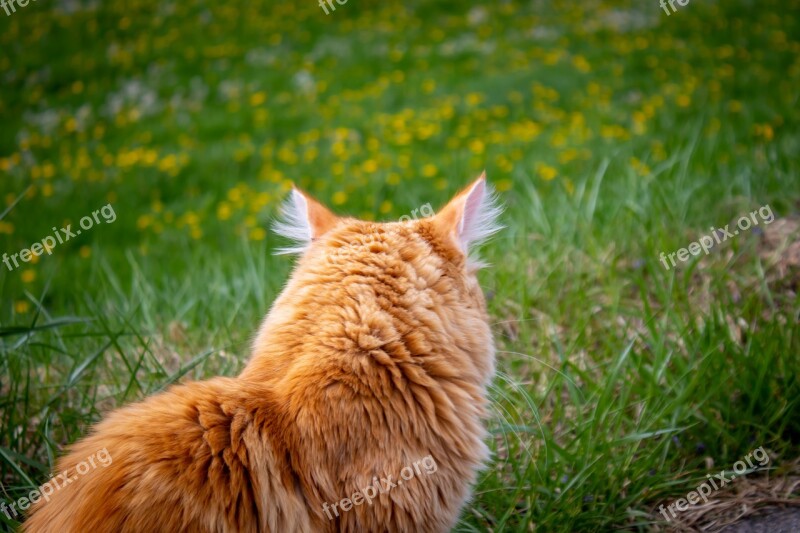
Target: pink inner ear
(471, 216)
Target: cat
(377, 354)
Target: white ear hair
(479, 219)
(295, 224)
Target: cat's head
(451, 235)
(369, 284)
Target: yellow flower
(257, 234)
(6, 227)
(425, 131)
(189, 218)
(241, 154)
(684, 100)
(48, 170)
(659, 153)
(580, 63)
(613, 131)
(235, 195)
(764, 130)
(338, 149)
(28, 275)
(546, 172)
(250, 221)
(640, 168)
(85, 251)
(567, 155)
(639, 122)
(476, 146)
(258, 98)
(310, 154)
(262, 199)
(504, 163)
(558, 140)
(552, 57)
(503, 185)
(339, 197)
(144, 221)
(474, 99)
(369, 166)
(21, 306)
(429, 170)
(224, 211)
(150, 157)
(447, 111)
(168, 163)
(500, 111)
(403, 138)
(386, 206)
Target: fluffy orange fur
(377, 353)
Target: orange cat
(373, 360)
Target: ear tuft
(479, 220)
(471, 217)
(295, 224)
(304, 220)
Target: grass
(612, 131)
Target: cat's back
(194, 458)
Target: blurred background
(614, 131)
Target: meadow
(612, 132)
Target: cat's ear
(304, 219)
(472, 215)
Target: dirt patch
(747, 500)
